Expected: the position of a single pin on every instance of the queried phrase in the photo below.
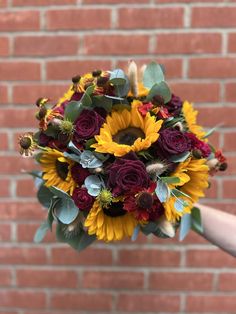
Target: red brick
(230, 92)
(20, 255)
(82, 301)
(209, 258)
(229, 142)
(231, 170)
(188, 43)
(194, 238)
(25, 233)
(3, 95)
(197, 92)
(186, 1)
(65, 70)
(148, 302)
(5, 187)
(5, 232)
(21, 211)
(225, 206)
(25, 188)
(144, 18)
(20, 71)
(116, 44)
(172, 66)
(114, 1)
(23, 299)
(5, 277)
(19, 21)
(214, 139)
(46, 278)
(212, 191)
(173, 281)
(113, 280)
(14, 118)
(15, 164)
(46, 45)
(232, 42)
(91, 256)
(42, 2)
(3, 4)
(148, 257)
(28, 94)
(227, 282)
(3, 141)
(213, 304)
(214, 17)
(229, 188)
(78, 19)
(212, 68)
(4, 46)
(212, 116)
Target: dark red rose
(172, 142)
(82, 199)
(125, 174)
(88, 124)
(174, 106)
(79, 174)
(198, 144)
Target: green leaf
(59, 193)
(196, 220)
(102, 102)
(90, 90)
(158, 233)
(180, 158)
(90, 142)
(145, 154)
(185, 226)
(117, 73)
(170, 180)
(73, 110)
(153, 74)
(51, 131)
(50, 217)
(160, 89)
(208, 133)
(44, 196)
(178, 193)
(35, 174)
(85, 241)
(118, 81)
(66, 211)
(149, 228)
(41, 232)
(162, 191)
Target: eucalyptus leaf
(185, 226)
(150, 227)
(180, 158)
(35, 174)
(93, 185)
(51, 131)
(160, 89)
(41, 232)
(59, 193)
(170, 180)
(178, 193)
(114, 97)
(102, 102)
(66, 211)
(74, 149)
(153, 74)
(73, 157)
(135, 233)
(45, 196)
(73, 110)
(89, 160)
(117, 73)
(90, 142)
(85, 241)
(179, 205)
(118, 81)
(123, 90)
(162, 191)
(86, 100)
(196, 220)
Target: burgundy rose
(79, 174)
(172, 142)
(125, 174)
(82, 199)
(88, 124)
(174, 106)
(198, 144)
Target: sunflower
(193, 175)
(111, 223)
(27, 144)
(190, 116)
(57, 170)
(126, 131)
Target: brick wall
(43, 43)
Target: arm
(219, 228)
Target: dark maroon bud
(76, 79)
(223, 166)
(96, 73)
(197, 154)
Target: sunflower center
(62, 169)
(128, 136)
(115, 210)
(144, 200)
(25, 142)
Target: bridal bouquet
(120, 154)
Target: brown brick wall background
(43, 43)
